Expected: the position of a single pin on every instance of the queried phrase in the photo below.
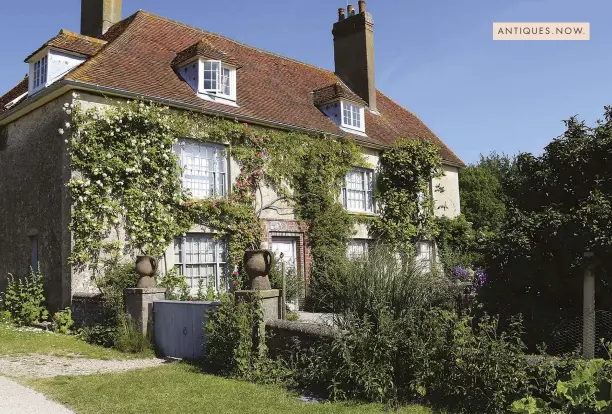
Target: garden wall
(281, 335)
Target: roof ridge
(157, 16)
(80, 36)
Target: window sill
(354, 131)
(218, 99)
(362, 213)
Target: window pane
(357, 249)
(204, 170)
(203, 255)
(357, 192)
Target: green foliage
(62, 321)
(117, 277)
(482, 197)
(585, 390)
(459, 244)
(385, 281)
(128, 338)
(128, 176)
(231, 337)
(558, 207)
(175, 284)
(101, 334)
(405, 172)
(24, 299)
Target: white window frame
(39, 73)
(367, 188)
(425, 255)
(352, 116)
(225, 79)
(218, 174)
(184, 260)
(358, 249)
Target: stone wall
(87, 309)
(33, 200)
(281, 335)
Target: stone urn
(146, 267)
(257, 264)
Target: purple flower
(460, 273)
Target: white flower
(104, 175)
(109, 156)
(68, 111)
(66, 141)
(66, 105)
(75, 95)
(61, 131)
(67, 124)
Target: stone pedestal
(270, 301)
(139, 305)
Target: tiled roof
(16, 92)
(333, 92)
(271, 88)
(73, 42)
(203, 49)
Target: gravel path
(17, 399)
(45, 366)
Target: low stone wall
(281, 335)
(87, 309)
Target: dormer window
(342, 106)
(50, 65)
(210, 72)
(39, 77)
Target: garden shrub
(129, 338)
(586, 389)
(62, 321)
(24, 299)
(116, 278)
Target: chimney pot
(341, 14)
(362, 6)
(351, 10)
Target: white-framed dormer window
(218, 79)
(353, 116)
(357, 193)
(204, 169)
(39, 73)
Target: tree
(559, 205)
(482, 198)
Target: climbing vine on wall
(405, 174)
(126, 186)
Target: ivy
(405, 173)
(127, 193)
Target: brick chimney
(354, 52)
(97, 16)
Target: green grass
(16, 342)
(180, 388)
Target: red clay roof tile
(73, 42)
(270, 88)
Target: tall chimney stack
(97, 16)
(351, 10)
(354, 53)
(341, 14)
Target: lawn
(180, 388)
(15, 341)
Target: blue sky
(436, 58)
